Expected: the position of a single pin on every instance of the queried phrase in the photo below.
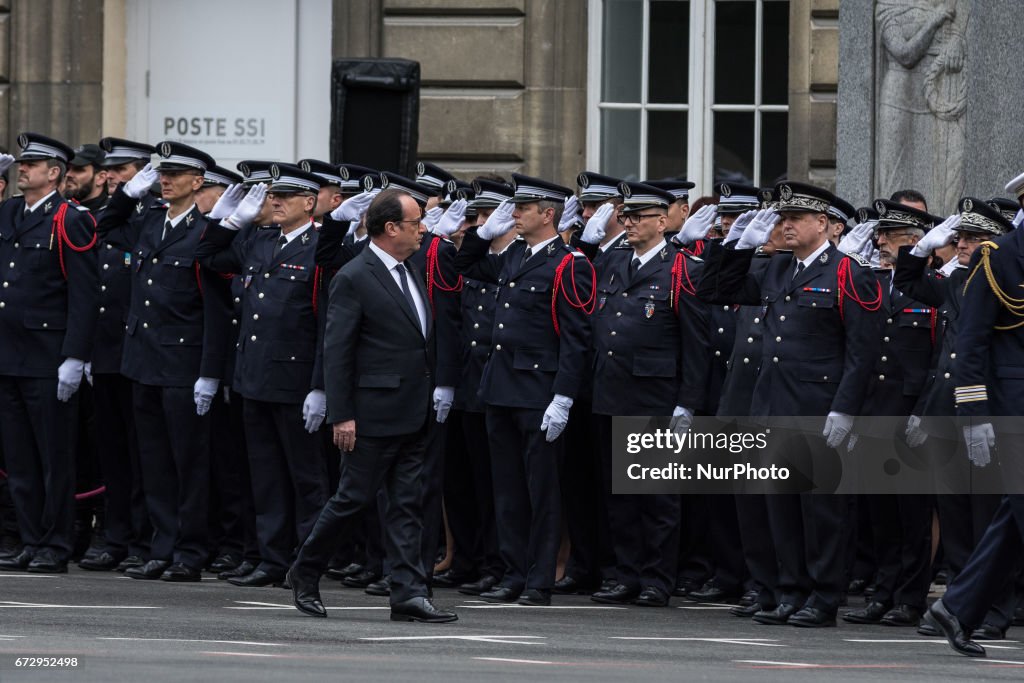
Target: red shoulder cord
(681, 281)
(436, 277)
(317, 274)
(78, 496)
(558, 287)
(844, 281)
(698, 248)
(934, 319)
(61, 233)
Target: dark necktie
(282, 242)
(799, 269)
(167, 230)
(526, 256)
(634, 267)
(404, 277)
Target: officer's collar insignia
(47, 206)
(823, 259)
(189, 218)
(139, 207)
(305, 238)
(551, 248)
(664, 253)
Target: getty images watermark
(789, 455)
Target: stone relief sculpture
(922, 97)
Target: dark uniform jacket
(279, 355)
(378, 365)
(477, 301)
(47, 311)
(650, 354)
(178, 318)
(436, 261)
(818, 351)
(530, 362)
(335, 248)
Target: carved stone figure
(922, 97)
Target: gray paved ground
(120, 629)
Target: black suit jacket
(378, 364)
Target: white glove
(595, 229)
(837, 426)
(443, 398)
(855, 241)
(980, 439)
(1019, 218)
(5, 162)
(739, 225)
(141, 182)
(681, 420)
(353, 208)
(938, 237)
(852, 443)
(228, 201)
(353, 226)
(697, 225)
(432, 216)
(69, 378)
(203, 393)
(314, 408)
(452, 219)
(248, 208)
(915, 435)
(88, 372)
(759, 229)
(556, 417)
(569, 214)
(499, 222)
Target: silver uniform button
(946, 375)
(881, 377)
(472, 343)
(746, 360)
(253, 337)
(102, 309)
(261, 295)
(782, 318)
(255, 316)
(778, 339)
(145, 326)
(501, 326)
(106, 266)
(498, 347)
(611, 353)
(718, 353)
(476, 326)
(511, 284)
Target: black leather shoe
(620, 595)
(103, 562)
(988, 632)
(500, 594)
(16, 563)
(380, 588)
(181, 573)
(9, 546)
(775, 617)
(244, 569)
(745, 611)
(361, 579)
(711, 592)
(902, 615)
(533, 597)
(749, 598)
(568, 585)
(224, 562)
(339, 573)
(812, 617)
(484, 584)
(257, 579)
(927, 627)
(450, 579)
(608, 584)
(47, 562)
(871, 613)
(684, 587)
(950, 626)
(129, 562)
(652, 597)
(149, 571)
(420, 609)
(306, 595)
(857, 587)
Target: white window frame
(700, 107)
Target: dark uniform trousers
(232, 518)
(481, 545)
(47, 314)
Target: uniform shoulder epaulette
(519, 238)
(860, 259)
(622, 245)
(695, 259)
(80, 207)
(989, 243)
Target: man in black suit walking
(379, 358)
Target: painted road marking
(249, 604)
(763, 642)
(11, 603)
(196, 640)
(512, 661)
(241, 654)
(771, 663)
(502, 640)
(941, 641)
(514, 606)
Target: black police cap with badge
(596, 187)
(432, 176)
(328, 172)
(639, 196)
(220, 176)
(88, 155)
(120, 151)
(893, 216)
(175, 156)
(865, 214)
(979, 216)
(796, 197)
(769, 198)
(487, 194)
(393, 181)
(528, 190)
(255, 171)
(291, 179)
(680, 189)
(456, 189)
(1007, 207)
(841, 210)
(352, 177)
(734, 198)
(36, 147)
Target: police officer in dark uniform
(127, 528)
(279, 364)
(818, 353)
(540, 335)
(174, 352)
(989, 397)
(47, 326)
(651, 353)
